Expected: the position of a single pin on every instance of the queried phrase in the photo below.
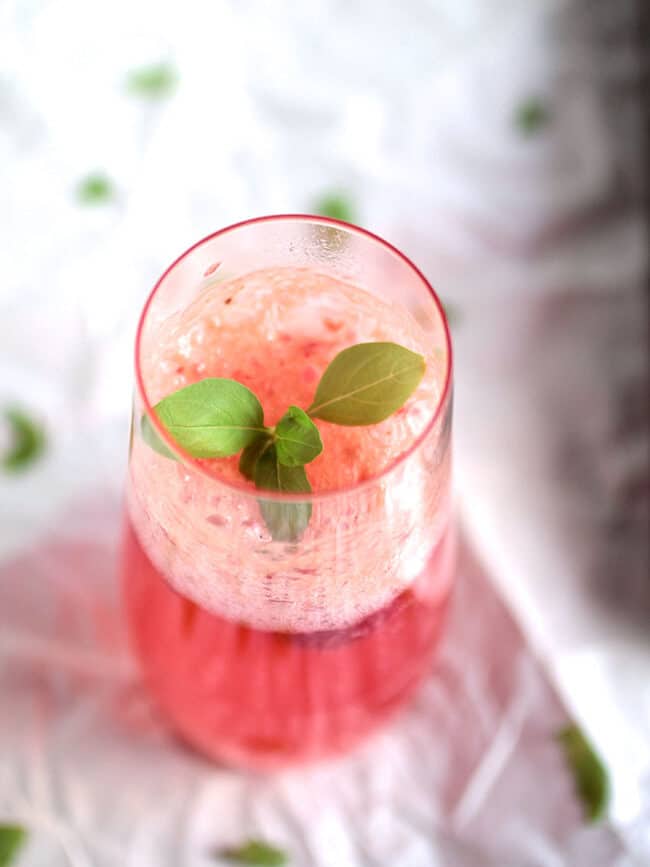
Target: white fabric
(409, 107)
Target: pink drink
(261, 652)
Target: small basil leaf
(531, 116)
(297, 440)
(250, 455)
(336, 206)
(152, 82)
(12, 838)
(366, 383)
(27, 441)
(256, 853)
(212, 418)
(590, 776)
(286, 521)
(95, 189)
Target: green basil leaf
(590, 776)
(152, 82)
(212, 418)
(250, 455)
(366, 383)
(531, 116)
(12, 838)
(297, 440)
(336, 206)
(256, 853)
(286, 521)
(95, 189)
(27, 441)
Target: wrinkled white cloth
(87, 763)
(540, 244)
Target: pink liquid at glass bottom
(266, 699)
(264, 654)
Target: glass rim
(187, 460)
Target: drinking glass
(261, 652)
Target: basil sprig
(217, 417)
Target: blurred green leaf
(152, 82)
(12, 838)
(27, 440)
(256, 853)
(589, 774)
(337, 206)
(95, 189)
(531, 116)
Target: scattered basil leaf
(153, 440)
(27, 441)
(152, 82)
(589, 774)
(250, 455)
(256, 853)
(366, 383)
(95, 189)
(531, 116)
(286, 521)
(212, 418)
(297, 440)
(12, 838)
(337, 206)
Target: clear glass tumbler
(261, 652)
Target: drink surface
(276, 331)
(264, 653)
